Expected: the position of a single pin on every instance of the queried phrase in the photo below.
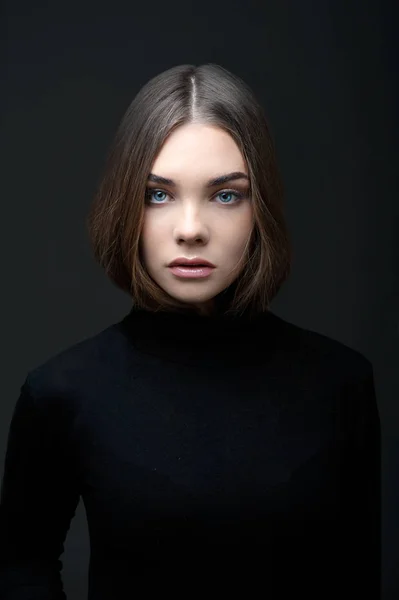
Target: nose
(191, 226)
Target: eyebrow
(211, 183)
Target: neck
(199, 338)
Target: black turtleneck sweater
(213, 456)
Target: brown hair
(207, 94)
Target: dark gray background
(326, 73)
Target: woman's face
(192, 220)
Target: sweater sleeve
(362, 495)
(39, 497)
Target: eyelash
(239, 196)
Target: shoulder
(85, 364)
(323, 356)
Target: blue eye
(238, 195)
(150, 192)
(229, 193)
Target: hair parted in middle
(206, 94)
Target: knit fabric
(213, 455)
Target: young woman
(217, 447)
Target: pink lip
(188, 272)
(195, 261)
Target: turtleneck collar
(192, 338)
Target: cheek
(150, 233)
(237, 233)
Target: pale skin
(190, 219)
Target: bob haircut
(206, 94)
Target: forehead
(201, 150)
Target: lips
(191, 271)
(193, 262)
